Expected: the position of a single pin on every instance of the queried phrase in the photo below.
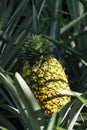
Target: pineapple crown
(36, 48)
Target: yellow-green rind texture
(45, 79)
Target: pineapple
(44, 74)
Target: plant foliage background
(65, 24)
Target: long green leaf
(9, 108)
(75, 10)
(15, 50)
(32, 107)
(54, 31)
(15, 17)
(7, 124)
(11, 88)
(8, 12)
(2, 11)
(74, 113)
(70, 49)
(82, 99)
(35, 19)
(41, 8)
(51, 124)
(73, 22)
(3, 128)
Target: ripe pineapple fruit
(44, 74)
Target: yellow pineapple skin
(45, 79)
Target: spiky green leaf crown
(36, 48)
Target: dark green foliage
(65, 24)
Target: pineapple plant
(70, 24)
(44, 74)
